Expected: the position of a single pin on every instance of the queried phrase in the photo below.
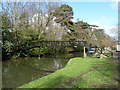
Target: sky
(103, 14)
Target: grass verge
(74, 68)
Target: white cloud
(110, 30)
(116, 0)
(114, 29)
(73, 20)
(107, 24)
(114, 4)
(95, 23)
(98, 24)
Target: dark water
(20, 71)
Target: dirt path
(83, 74)
(116, 57)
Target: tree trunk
(60, 33)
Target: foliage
(30, 23)
(19, 29)
(7, 35)
(47, 51)
(107, 54)
(70, 35)
(63, 14)
(35, 51)
(63, 50)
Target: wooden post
(95, 49)
(90, 47)
(112, 54)
(84, 53)
(39, 53)
(101, 50)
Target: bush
(63, 50)
(7, 50)
(35, 51)
(80, 49)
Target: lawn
(99, 77)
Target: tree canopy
(31, 23)
(63, 14)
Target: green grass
(98, 78)
(107, 54)
(74, 68)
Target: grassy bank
(99, 77)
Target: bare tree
(29, 20)
(21, 15)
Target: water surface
(17, 72)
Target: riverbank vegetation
(25, 23)
(80, 73)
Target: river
(17, 72)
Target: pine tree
(63, 15)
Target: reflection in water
(58, 64)
(18, 72)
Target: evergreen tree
(63, 15)
(7, 36)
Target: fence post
(84, 53)
(95, 48)
(101, 50)
(90, 47)
(39, 53)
